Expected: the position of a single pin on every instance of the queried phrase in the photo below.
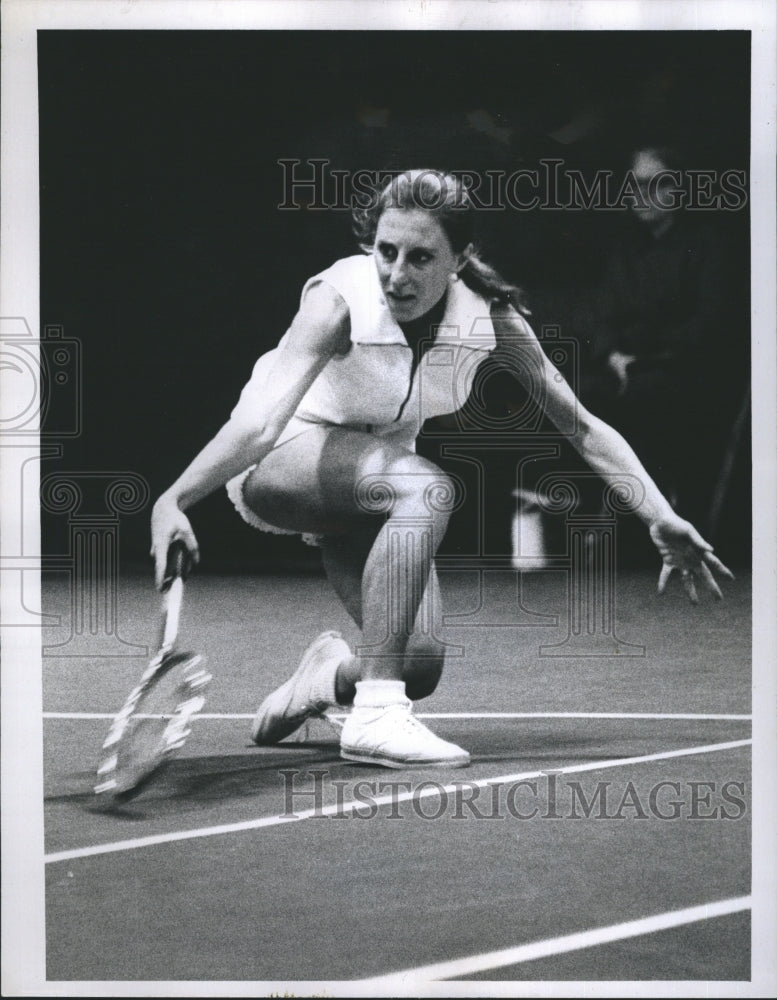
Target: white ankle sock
(379, 693)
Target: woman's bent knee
(420, 489)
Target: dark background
(163, 251)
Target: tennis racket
(155, 720)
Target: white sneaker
(309, 691)
(390, 735)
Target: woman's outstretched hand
(683, 549)
(168, 523)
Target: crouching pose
(322, 443)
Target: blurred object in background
(530, 549)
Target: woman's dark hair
(447, 199)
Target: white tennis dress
(373, 387)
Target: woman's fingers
(160, 553)
(687, 552)
(160, 565)
(666, 572)
(186, 535)
(689, 586)
(689, 581)
(710, 581)
(714, 563)
(168, 527)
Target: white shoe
(309, 691)
(390, 735)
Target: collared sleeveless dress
(376, 388)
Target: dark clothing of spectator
(668, 304)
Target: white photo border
(23, 889)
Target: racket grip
(179, 564)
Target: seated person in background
(667, 366)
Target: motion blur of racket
(155, 720)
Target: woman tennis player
(322, 442)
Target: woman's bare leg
(354, 486)
(344, 558)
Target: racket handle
(179, 564)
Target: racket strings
(154, 722)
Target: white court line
(459, 967)
(450, 715)
(581, 715)
(343, 808)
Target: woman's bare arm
(607, 453)
(318, 332)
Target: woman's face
(415, 259)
